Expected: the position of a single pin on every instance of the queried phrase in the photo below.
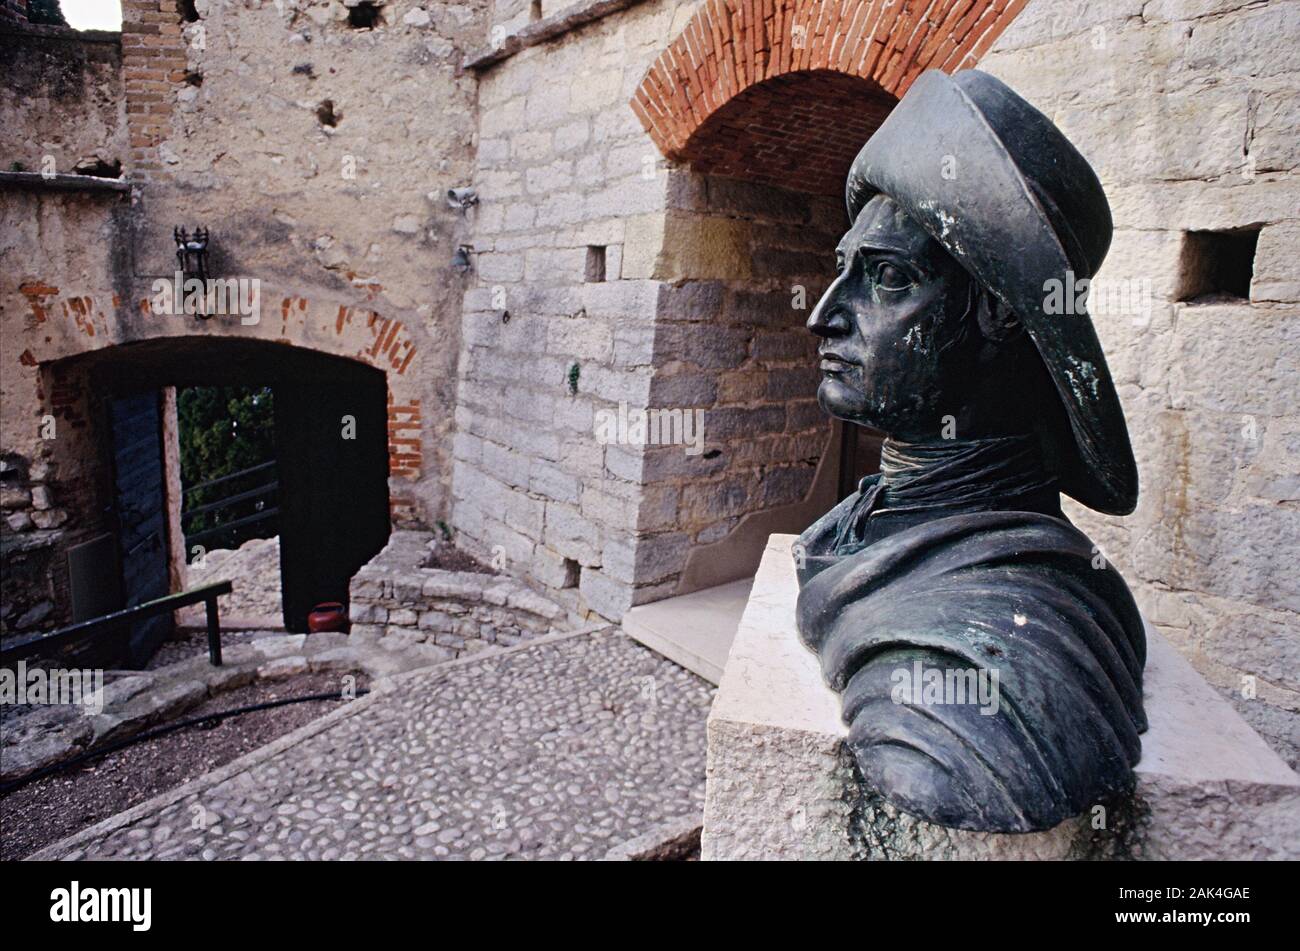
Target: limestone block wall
(1190, 112)
(693, 306)
(570, 187)
(742, 265)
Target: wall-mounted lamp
(192, 259)
(192, 252)
(461, 260)
(461, 198)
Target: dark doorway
(331, 462)
(332, 443)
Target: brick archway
(786, 91)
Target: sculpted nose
(828, 319)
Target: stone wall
(697, 307)
(317, 153)
(399, 602)
(563, 167)
(694, 306)
(742, 265)
(1190, 112)
(61, 106)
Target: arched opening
(766, 177)
(797, 131)
(771, 162)
(763, 110)
(117, 434)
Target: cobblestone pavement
(562, 748)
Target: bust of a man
(989, 660)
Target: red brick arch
(785, 91)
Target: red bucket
(328, 616)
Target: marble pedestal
(782, 786)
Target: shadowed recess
(797, 131)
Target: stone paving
(35, 736)
(560, 748)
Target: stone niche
(782, 785)
(401, 602)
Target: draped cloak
(986, 588)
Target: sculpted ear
(997, 322)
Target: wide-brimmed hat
(997, 184)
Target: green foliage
(223, 430)
(47, 12)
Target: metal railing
(230, 500)
(208, 594)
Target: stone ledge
(395, 599)
(545, 29)
(63, 183)
(781, 784)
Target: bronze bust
(965, 206)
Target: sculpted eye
(890, 278)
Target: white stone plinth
(781, 785)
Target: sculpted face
(899, 342)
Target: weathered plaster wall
(61, 103)
(1190, 112)
(50, 477)
(318, 155)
